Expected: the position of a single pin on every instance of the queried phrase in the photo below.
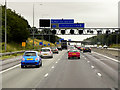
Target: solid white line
(56, 62)
(46, 75)
(99, 74)
(52, 66)
(10, 68)
(107, 57)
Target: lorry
(64, 44)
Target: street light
(33, 25)
(5, 25)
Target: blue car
(31, 58)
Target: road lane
(60, 72)
(28, 77)
(107, 67)
(73, 73)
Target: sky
(94, 13)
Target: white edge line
(107, 57)
(10, 68)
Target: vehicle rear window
(54, 48)
(30, 54)
(45, 50)
(71, 47)
(73, 51)
(87, 47)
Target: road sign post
(23, 44)
(40, 44)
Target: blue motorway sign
(62, 20)
(54, 26)
(40, 43)
(61, 39)
(74, 25)
(48, 44)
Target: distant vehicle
(54, 50)
(71, 48)
(105, 46)
(81, 48)
(59, 48)
(64, 44)
(74, 53)
(87, 49)
(46, 52)
(100, 47)
(31, 58)
(78, 47)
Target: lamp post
(33, 26)
(5, 26)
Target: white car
(105, 46)
(100, 46)
(46, 52)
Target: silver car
(46, 52)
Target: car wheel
(57, 53)
(78, 57)
(22, 66)
(41, 63)
(68, 57)
(51, 56)
(37, 66)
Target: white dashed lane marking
(46, 75)
(99, 74)
(53, 67)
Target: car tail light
(23, 59)
(36, 59)
(70, 53)
(50, 51)
(56, 49)
(36, 62)
(78, 52)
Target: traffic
(35, 57)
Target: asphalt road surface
(90, 71)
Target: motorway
(90, 71)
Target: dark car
(86, 49)
(81, 48)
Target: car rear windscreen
(74, 51)
(45, 50)
(30, 54)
